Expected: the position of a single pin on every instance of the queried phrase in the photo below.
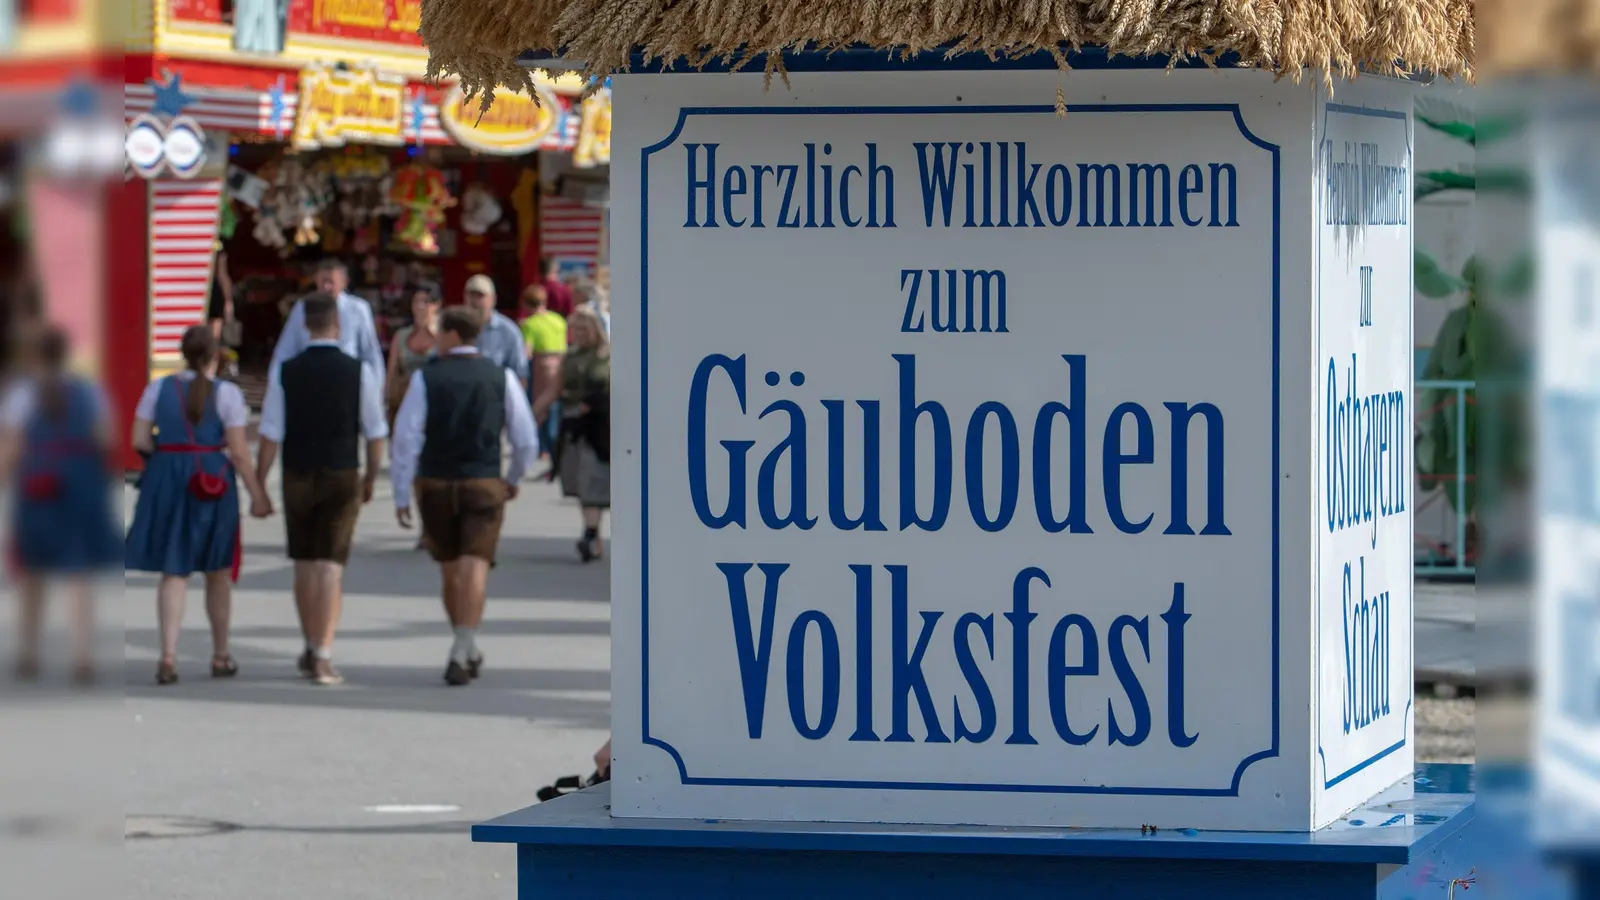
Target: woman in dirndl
(187, 517)
(55, 446)
(583, 453)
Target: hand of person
(402, 514)
(261, 507)
(511, 491)
(368, 484)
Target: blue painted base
(1397, 847)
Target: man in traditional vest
(447, 437)
(319, 406)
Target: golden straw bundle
(479, 40)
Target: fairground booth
(1012, 432)
(61, 186)
(271, 136)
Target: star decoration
(80, 99)
(275, 97)
(170, 100)
(417, 115)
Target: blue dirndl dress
(67, 528)
(174, 532)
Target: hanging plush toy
(479, 210)
(420, 192)
(267, 232)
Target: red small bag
(202, 484)
(206, 486)
(41, 486)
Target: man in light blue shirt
(358, 336)
(501, 339)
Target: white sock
(465, 645)
(323, 653)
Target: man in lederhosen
(447, 436)
(319, 406)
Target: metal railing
(1453, 558)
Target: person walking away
(583, 458)
(55, 446)
(545, 334)
(589, 296)
(413, 343)
(318, 410)
(448, 437)
(560, 296)
(500, 341)
(187, 516)
(358, 336)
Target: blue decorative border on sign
(1233, 110)
(1358, 768)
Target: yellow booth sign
(340, 105)
(513, 125)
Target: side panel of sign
(1567, 229)
(1364, 412)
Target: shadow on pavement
(459, 827)
(533, 694)
(520, 574)
(406, 630)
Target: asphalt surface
(266, 786)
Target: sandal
(223, 667)
(166, 673)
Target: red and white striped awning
(184, 216)
(222, 109)
(570, 231)
(233, 109)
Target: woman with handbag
(56, 446)
(583, 452)
(187, 517)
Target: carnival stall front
(264, 156)
(61, 191)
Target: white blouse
(22, 397)
(231, 405)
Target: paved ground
(1465, 632)
(266, 787)
(304, 772)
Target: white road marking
(413, 808)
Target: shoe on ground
(475, 667)
(325, 674)
(456, 675)
(307, 665)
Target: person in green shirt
(544, 331)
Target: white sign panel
(964, 452)
(1365, 435)
(1567, 229)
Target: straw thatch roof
(479, 40)
(1521, 36)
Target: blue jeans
(552, 428)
